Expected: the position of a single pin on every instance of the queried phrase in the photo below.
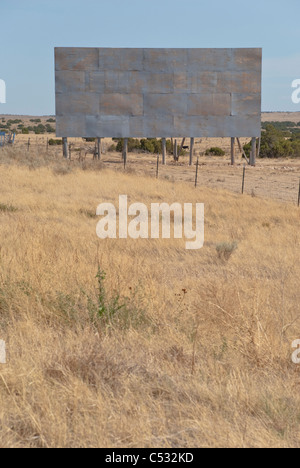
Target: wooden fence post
(243, 183)
(196, 177)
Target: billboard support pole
(99, 148)
(191, 151)
(125, 150)
(175, 150)
(65, 147)
(164, 151)
(253, 152)
(232, 151)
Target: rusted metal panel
(103, 125)
(77, 103)
(121, 59)
(165, 60)
(195, 82)
(246, 104)
(67, 79)
(210, 60)
(165, 104)
(202, 127)
(76, 58)
(209, 104)
(72, 125)
(158, 92)
(121, 104)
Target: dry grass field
(173, 348)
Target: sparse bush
(50, 129)
(4, 208)
(88, 213)
(39, 129)
(112, 148)
(215, 151)
(62, 170)
(225, 250)
(53, 142)
(89, 140)
(133, 145)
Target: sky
(30, 29)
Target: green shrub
(39, 129)
(276, 144)
(50, 129)
(13, 122)
(89, 140)
(53, 142)
(133, 145)
(112, 148)
(25, 131)
(215, 151)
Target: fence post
(28, 144)
(196, 177)
(299, 195)
(244, 173)
(157, 166)
(125, 151)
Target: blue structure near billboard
(7, 138)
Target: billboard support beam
(164, 151)
(191, 151)
(125, 150)
(65, 147)
(99, 148)
(232, 151)
(253, 152)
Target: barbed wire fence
(268, 180)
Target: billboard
(108, 92)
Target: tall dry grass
(200, 352)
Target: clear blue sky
(30, 29)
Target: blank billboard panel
(105, 92)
